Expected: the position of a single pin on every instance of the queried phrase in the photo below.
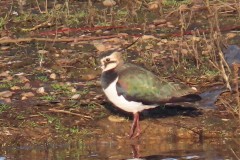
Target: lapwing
(134, 89)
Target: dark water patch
(232, 54)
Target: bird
(133, 88)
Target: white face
(109, 62)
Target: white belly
(121, 102)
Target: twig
(234, 153)
(58, 40)
(44, 24)
(68, 112)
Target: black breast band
(108, 77)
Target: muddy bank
(173, 123)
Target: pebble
(164, 40)
(109, 3)
(175, 51)
(116, 118)
(73, 90)
(53, 76)
(41, 90)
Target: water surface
(151, 149)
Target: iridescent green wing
(138, 84)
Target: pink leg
(135, 126)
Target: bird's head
(111, 59)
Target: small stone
(23, 98)
(53, 76)
(6, 94)
(116, 119)
(73, 90)
(41, 90)
(109, 3)
(164, 40)
(57, 55)
(75, 96)
(175, 51)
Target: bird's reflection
(136, 155)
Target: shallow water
(96, 148)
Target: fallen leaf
(15, 88)
(75, 96)
(23, 79)
(27, 94)
(6, 94)
(4, 74)
(100, 47)
(145, 37)
(42, 51)
(159, 21)
(153, 6)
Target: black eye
(108, 60)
